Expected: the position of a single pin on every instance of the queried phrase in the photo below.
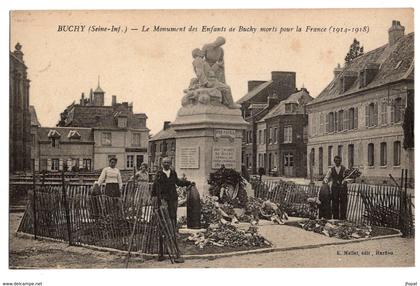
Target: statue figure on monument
(207, 79)
(213, 53)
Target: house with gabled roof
(256, 103)
(286, 137)
(117, 131)
(161, 145)
(359, 115)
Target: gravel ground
(28, 253)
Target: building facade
(117, 131)
(286, 131)
(360, 114)
(262, 96)
(20, 117)
(65, 148)
(161, 145)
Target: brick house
(286, 126)
(261, 97)
(161, 145)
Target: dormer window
(122, 122)
(54, 137)
(291, 107)
(74, 134)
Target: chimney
(82, 99)
(337, 71)
(395, 32)
(254, 83)
(18, 53)
(272, 100)
(166, 125)
(91, 96)
(114, 100)
(284, 83)
(370, 72)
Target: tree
(354, 51)
(408, 124)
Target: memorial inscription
(189, 157)
(223, 155)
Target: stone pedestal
(207, 136)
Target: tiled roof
(164, 134)
(34, 117)
(396, 62)
(279, 109)
(255, 91)
(103, 117)
(66, 134)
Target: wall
(360, 137)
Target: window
(55, 164)
(384, 113)
(33, 139)
(397, 153)
(264, 136)
(288, 134)
(136, 139)
(288, 160)
(130, 161)
(383, 154)
(106, 138)
(371, 154)
(270, 134)
(54, 142)
(340, 126)
(321, 162)
(275, 136)
(122, 122)
(312, 157)
(330, 122)
(330, 150)
(371, 115)
(351, 118)
(87, 164)
(398, 110)
(321, 123)
(290, 107)
(340, 151)
(259, 136)
(350, 155)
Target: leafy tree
(354, 51)
(408, 124)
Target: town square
(280, 143)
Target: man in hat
(164, 189)
(338, 189)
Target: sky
(151, 69)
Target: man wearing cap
(111, 177)
(164, 189)
(338, 189)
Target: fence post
(66, 207)
(34, 198)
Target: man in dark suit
(338, 189)
(164, 188)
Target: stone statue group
(209, 85)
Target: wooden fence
(386, 206)
(72, 213)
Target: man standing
(164, 188)
(338, 189)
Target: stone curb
(219, 255)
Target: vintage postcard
(211, 138)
